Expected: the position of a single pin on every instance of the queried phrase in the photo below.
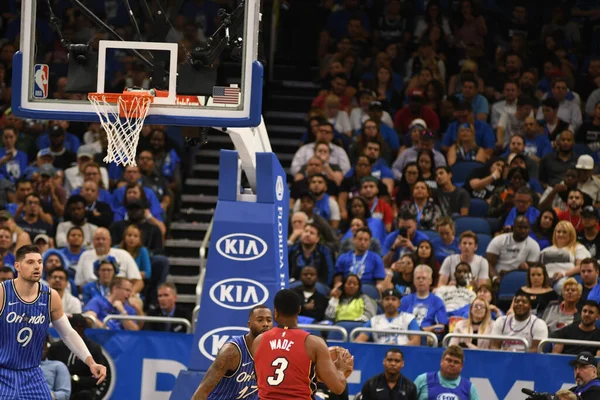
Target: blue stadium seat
(483, 241)
(371, 291)
(432, 235)
(479, 208)
(477, 225)
(578, 278)
(510, 284)
(462, 169)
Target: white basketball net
(122, 121)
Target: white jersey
(401, 323)
(533, 328)
(455, 297)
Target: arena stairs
(285, 104)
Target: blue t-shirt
(71, 257)
(428, 312)
(391, 238)
(9, 261)
(72, 142)
(15, 168)
(540, 146)
(443, 250)
(93, 289)
(532, 214)
(170, 164)
(484, 135)
(377, 230)
(542, 241)
(369, 267)
(102, 307)
(153, 203)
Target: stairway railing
(203, 251)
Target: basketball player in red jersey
(288, 360)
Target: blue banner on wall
(497, 375)
(147, 363)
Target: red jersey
(283, 369)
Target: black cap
(583, 358)
(392, 293)
(56, 130)
(137, 203)
(589, 212)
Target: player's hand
(342, 359)
(99, 372)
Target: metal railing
(429, 335)
(195, 318)
(587, 343)
(326, 328)
(147, 318)
(202, 251)
(449, 336)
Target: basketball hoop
(122, 116)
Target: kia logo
(213, 340)
(279, 188)
(241, 247)
(238, 293)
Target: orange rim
(126, 109)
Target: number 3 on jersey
(281, 365)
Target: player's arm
(228, 359)
(326, 370)
(71, 338)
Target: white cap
(585, 162)
(417, 121)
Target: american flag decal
(226, 95)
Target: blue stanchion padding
(247, 261)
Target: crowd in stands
(448, 180)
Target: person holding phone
(405, 239)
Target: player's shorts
(23, 384)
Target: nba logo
(40, 81)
